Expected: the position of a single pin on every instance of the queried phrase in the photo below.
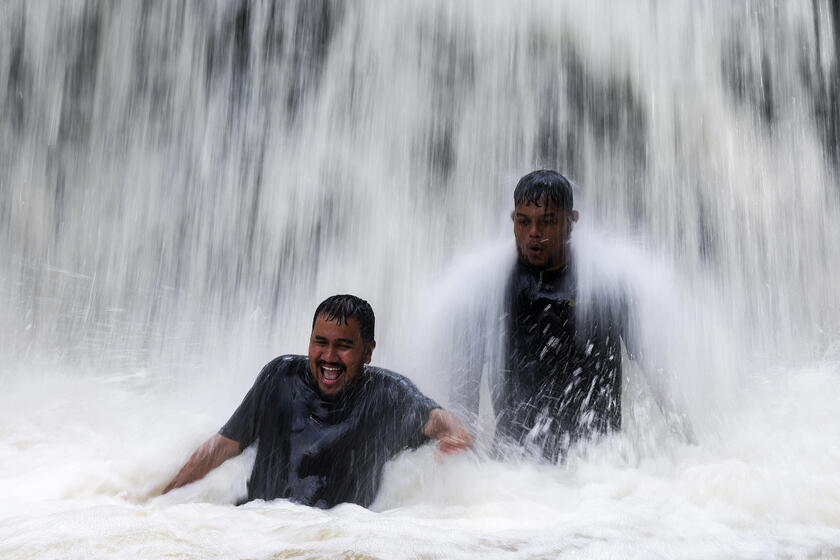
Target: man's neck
(545, 269)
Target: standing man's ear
(573, 217)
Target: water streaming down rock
(182, 182)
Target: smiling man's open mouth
(329, 373)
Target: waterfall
(181, 182)
(172, 170)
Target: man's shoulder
(290, 359)
(388, 378)
(287, 364)
(381, 373)
(398, 386)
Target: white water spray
(182, 182)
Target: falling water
(182, 182)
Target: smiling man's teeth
(330, 374)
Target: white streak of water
(182, 182)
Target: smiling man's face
(337, 353)
(542, 233)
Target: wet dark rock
(17, 86)
(453, 80)
(316, 23)
(827, 89)
(241, 38)
(80, 80)
(823, 87)
(602, 109)
(749, 79)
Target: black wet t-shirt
(563, 375)
(323, 452)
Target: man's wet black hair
(544, 184)
(341, 308)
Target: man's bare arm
(210, 455)
(448, 431)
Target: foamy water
(82, 462)
(182, 182)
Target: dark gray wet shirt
(563, 375)
(322, 452)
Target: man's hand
(448, 431)
(210, 455)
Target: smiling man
(325, 425)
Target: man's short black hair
(341, 308)
(547, 185)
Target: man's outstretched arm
(448, 431)
(210, 455)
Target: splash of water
(181, 183)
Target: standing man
(326, 424)
(562, 380)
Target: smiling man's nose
(330, 355)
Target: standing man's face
(542, 234)
(337, 354)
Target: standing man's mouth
(535, 248)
